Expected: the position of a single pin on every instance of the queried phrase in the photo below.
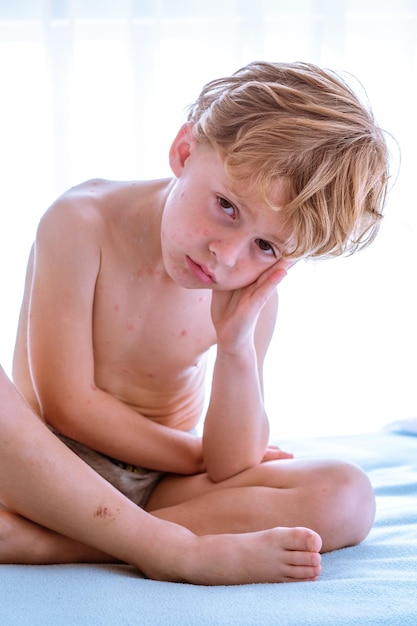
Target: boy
(130, 284)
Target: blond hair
(304, 125)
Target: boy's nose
(226, 251)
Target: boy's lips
(201, 272)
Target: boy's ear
(181, 148)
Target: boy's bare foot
(276, 555)
(24, 542)
(273, 556)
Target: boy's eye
(265, 246)
(226, 206)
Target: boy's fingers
(287, 264)
(274, 453)
(277, 272)
(273, 275)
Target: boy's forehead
(246, 185)
(253, 196)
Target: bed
(373, 583)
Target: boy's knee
(350, 505)
(360, 502)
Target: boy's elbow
(220, 465)
(219, 472)
(66, 417)
(219, 477)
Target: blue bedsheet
(370, 584)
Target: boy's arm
(60, 351)
(236, 428)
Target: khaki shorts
(136, 483)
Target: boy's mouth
(201, 272)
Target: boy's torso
(150, 336)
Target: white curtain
(97, 88)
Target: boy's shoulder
(99, 192)
(93, 202)
(99, 211)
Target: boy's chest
(143, 325)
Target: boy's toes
(303, 574)
(304, 539)
(303, 554)
(304, 559)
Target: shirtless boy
(128, 286)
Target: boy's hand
(274, 453)
(235, 313)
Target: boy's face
(211, 238)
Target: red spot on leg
(104, 512)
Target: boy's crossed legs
(332, 497)
(44, 481)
